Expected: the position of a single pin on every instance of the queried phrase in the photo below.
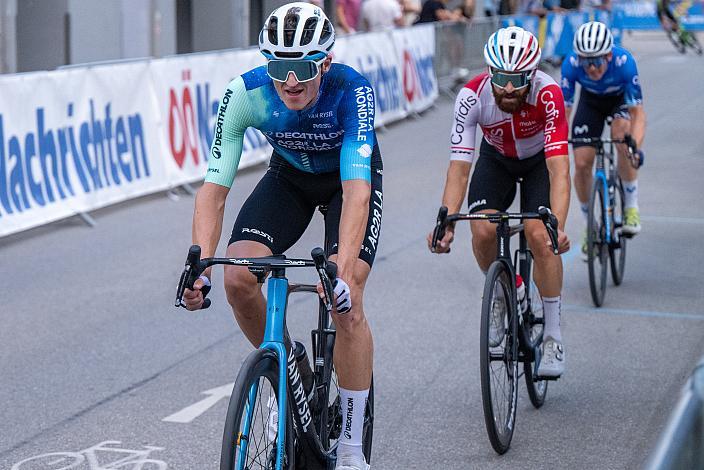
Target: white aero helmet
(512, 49)
(593, 39)
(297, 30)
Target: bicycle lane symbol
(103, 456)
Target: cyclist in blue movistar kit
(319, 117)
(610, 89)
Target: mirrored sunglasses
(587, 62)
(303, 70)
(518, 80)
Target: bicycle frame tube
(277, 297)
(600, 175)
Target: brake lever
(439, 232)
(189, 276)
(327, 271)
(550, 222)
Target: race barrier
(81, 138)
(642, 14)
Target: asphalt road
(92, 350)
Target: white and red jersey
(539, 124)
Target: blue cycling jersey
(335, 133)
(621, 78)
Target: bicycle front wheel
(597, 250)
(674, 37)
(499, 359)
(617, 247)
(251, 430)
(691, 40)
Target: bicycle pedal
(538, 378)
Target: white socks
(551, 309)
(353, 403)
(630, 194)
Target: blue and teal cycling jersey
(335, 133)
(621, 78)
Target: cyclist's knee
(483, 233)
(583, 160)
(240, 284)
(537, 239)
(351, 321)
(620, 127)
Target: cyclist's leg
(588, 122)
(259, 231)
(491, 189)
(547, 270)
(354, 347)
(629, 175)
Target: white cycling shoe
(552, 364)
(351, 462)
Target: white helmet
(297, 30)
(593, 39)
(512, 49)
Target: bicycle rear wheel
(690, 39)
(249, 440)
(617, 247)
(499, 364)
(533, 322)
(674, 37)
(329, 418)
(597, 252)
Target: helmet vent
(308, 31)
(326, 33)
(271, 30)
(290, 24)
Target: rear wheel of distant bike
(533, 324)
(597, 249)
(690, 39)
(499, 358)
(617, 248)
(674, 38)
(251, 434)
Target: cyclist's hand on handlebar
(563, 242)
(443, 245)
(343, 301)
(193, 298)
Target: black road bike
(522, 334)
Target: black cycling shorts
(282, 205)
(493, 184)
(592, 111)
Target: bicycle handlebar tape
(206, 304)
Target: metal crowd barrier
(681, 445)
(459, 51)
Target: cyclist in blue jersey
(319, 118)
(610, 89)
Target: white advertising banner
(374, 56)
(188, 92)
(415, 48)
(75, 140)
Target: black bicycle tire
(535, 394)
(598, 291)
(500, 441)
(676, 41)
(617, 253)
(259, 363)
(694, 44)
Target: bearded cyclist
(319, 118)
(521, 113)
(610, 89)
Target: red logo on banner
(409, 76)
(183, 132)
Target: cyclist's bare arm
(559, 173)
(638, 120)
(353, 224)
(455, 192)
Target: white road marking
(191, 412)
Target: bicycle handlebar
(544, 214)
(635, 156)
(327, 270)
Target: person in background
(378, 15)
(411, 9)
(465, 10)
(348, 15)
(436, 10)
(490, 8)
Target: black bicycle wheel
(250, 443)
(597, 250)
(691, 40)
(533, 323)
(329, 418)
(617, 247)
(674, 38)
(499, 364)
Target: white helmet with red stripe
(512, 49)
